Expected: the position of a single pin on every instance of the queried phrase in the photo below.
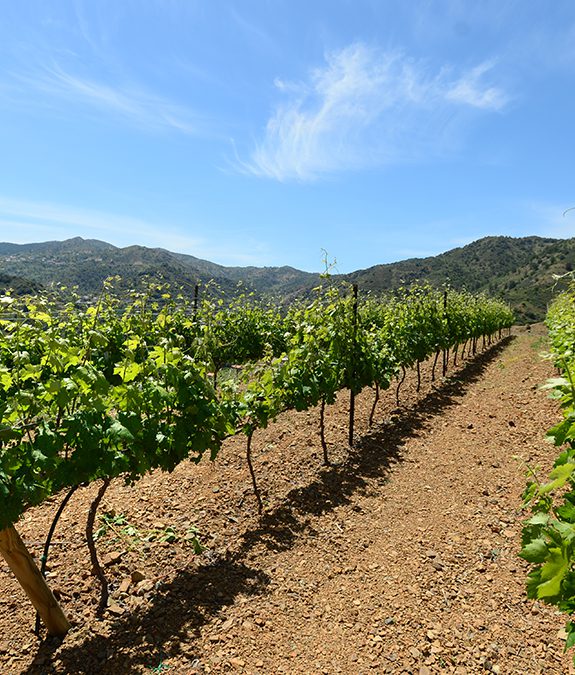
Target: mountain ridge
(519, 270)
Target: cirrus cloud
(367, 107)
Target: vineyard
(108, 391)
(119, 389)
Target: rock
(125, 585)
(237, 663)
(145, 587)
(137, 576)
(112, 558)
(116, 610)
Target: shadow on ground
(170, 625)
(167, 627)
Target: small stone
(112, 558)
(125, 585)
(116, 610)
(137, 576)
(145, 587)
(227, 624)
(237, 663)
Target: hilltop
(519, 270)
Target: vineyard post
(30, 578)
(445, 351)
(351, 392)
(196, 296)
(322, 432)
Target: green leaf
(570, 630)
(539, 519)
(554, 382)
(535, 551)
(552, 574)
(118, 432)
(559, 477)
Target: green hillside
(521, 271)
(518, 270)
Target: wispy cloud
(366, 107)
(130, 102)
(31, 221)
(470, 90)
(56, 220)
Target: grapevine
(125, 386)
(548, 541)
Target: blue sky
(259, 132)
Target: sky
(287, 132)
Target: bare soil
(400, 557)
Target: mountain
(519, 270)
(86, 263)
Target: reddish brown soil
(399, 558)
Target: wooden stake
(351, 392)
(25, 570)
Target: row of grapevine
(120, 389)
(549, 535)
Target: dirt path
(401, 558)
